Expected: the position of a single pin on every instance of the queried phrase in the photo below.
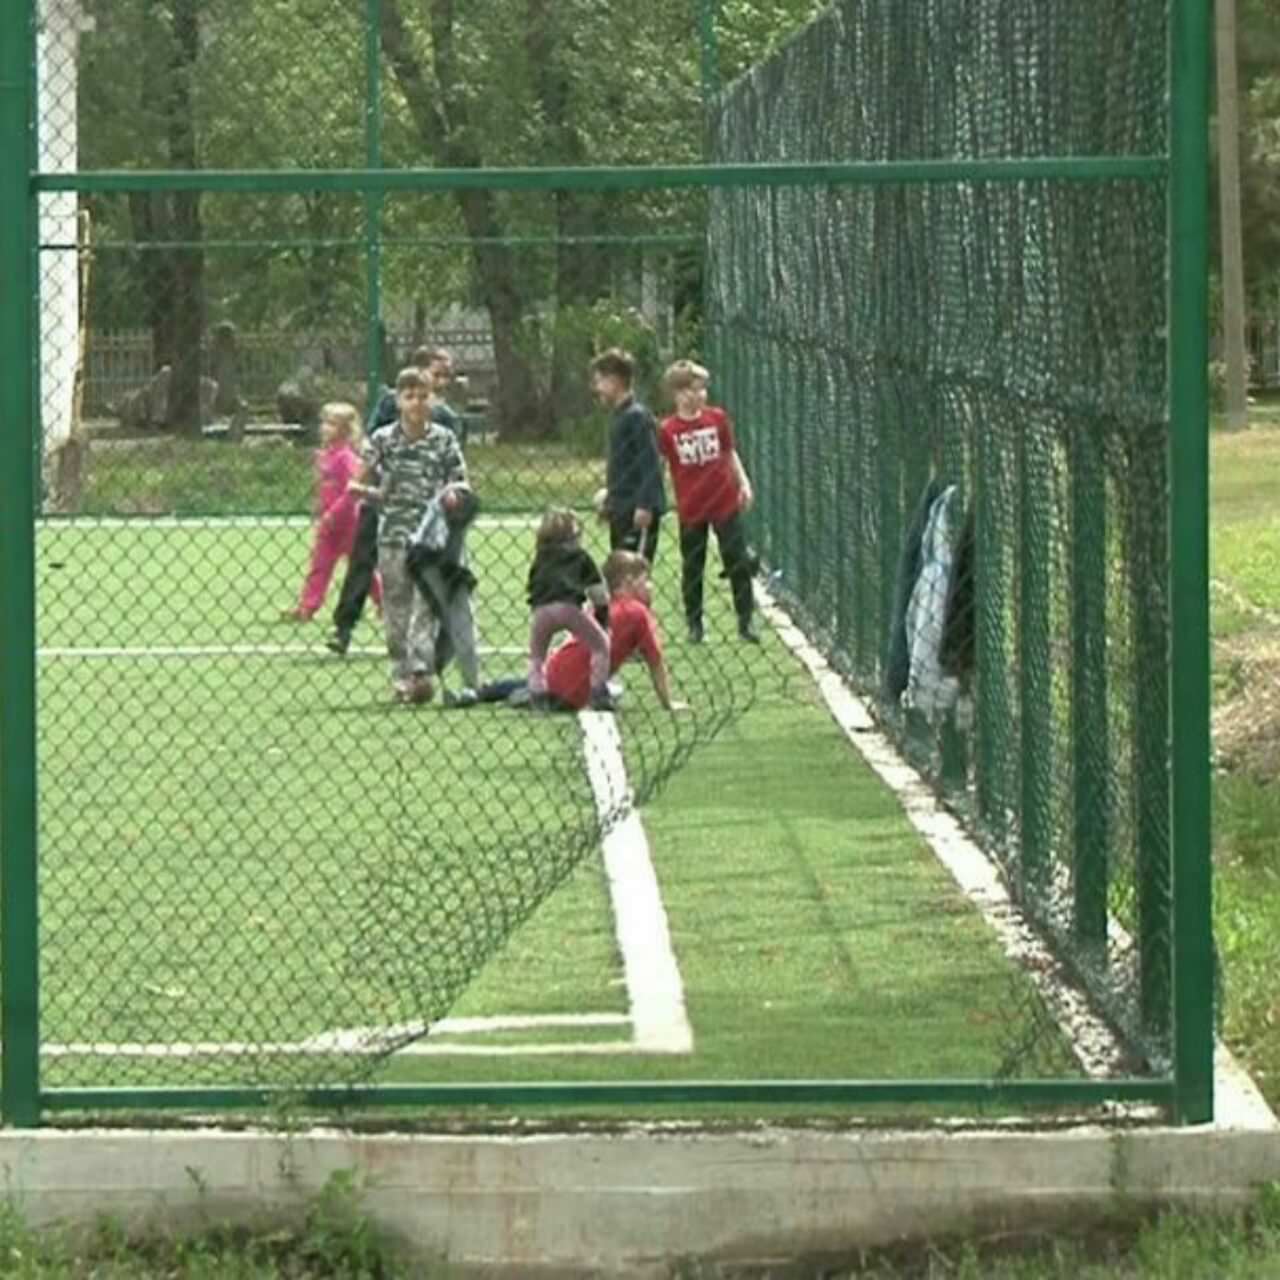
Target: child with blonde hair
(337, 462)
(712, 492)
(562, 578)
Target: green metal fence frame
(1188, 1091)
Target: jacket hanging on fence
(959, 627)
(897, 669)
(930, 690)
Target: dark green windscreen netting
(1000, 345)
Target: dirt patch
(1246, 725)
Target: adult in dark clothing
(635, 500)
(437, 367)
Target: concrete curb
(629, 1204)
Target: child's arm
(457, 463)
(592, 583)
(662, 687)
(361, 486)
(370, 466)
(746, 494)
(651, 649)
(348, 468)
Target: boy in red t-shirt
(632, 629)
(712, 492)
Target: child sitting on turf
(336, 463)
(562, 578)
(632, 628)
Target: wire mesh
(258, 867)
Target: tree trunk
(187, 283)
(440, 117)
(582, 271)
(518, 407)
(1233, 307)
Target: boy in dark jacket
(635, 499)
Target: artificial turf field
(246, 850)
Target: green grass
(256, 849)
(165, 476)
(1245, 549)
(1133, 1246)
(337, 1237)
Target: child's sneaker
(339, 642)
(603, 700)
(695, 633)
(463, 698)
(296, 614)
(748, 633)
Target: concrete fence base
(629, 1204)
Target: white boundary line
(657, 1015)
(79, 523)
(369, 1040)
(236, 651)
(659, 1021)
(1238, 1102)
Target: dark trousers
(624, 536)
(739, 565)
(361, 565)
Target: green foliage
(336, 1238)
(1246, 802)
(750, 29)
(199, 479)
(1258, 51)
(282, 85)
(165, 477)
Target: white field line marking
(78, 523)
(1238, 1102)
(1091, 1038)
(655, 992)
(299, 1049)
(369, 1040)
(237, 651)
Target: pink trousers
(550, 618)
(332, 542)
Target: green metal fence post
(1034, 657)
(1189, 559)
(1149, 623)
(1091, 771)
(19, 1006)
(373, 201)
(994, 713)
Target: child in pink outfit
(337, 462)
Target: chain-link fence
(966, 469)
(302, 436)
